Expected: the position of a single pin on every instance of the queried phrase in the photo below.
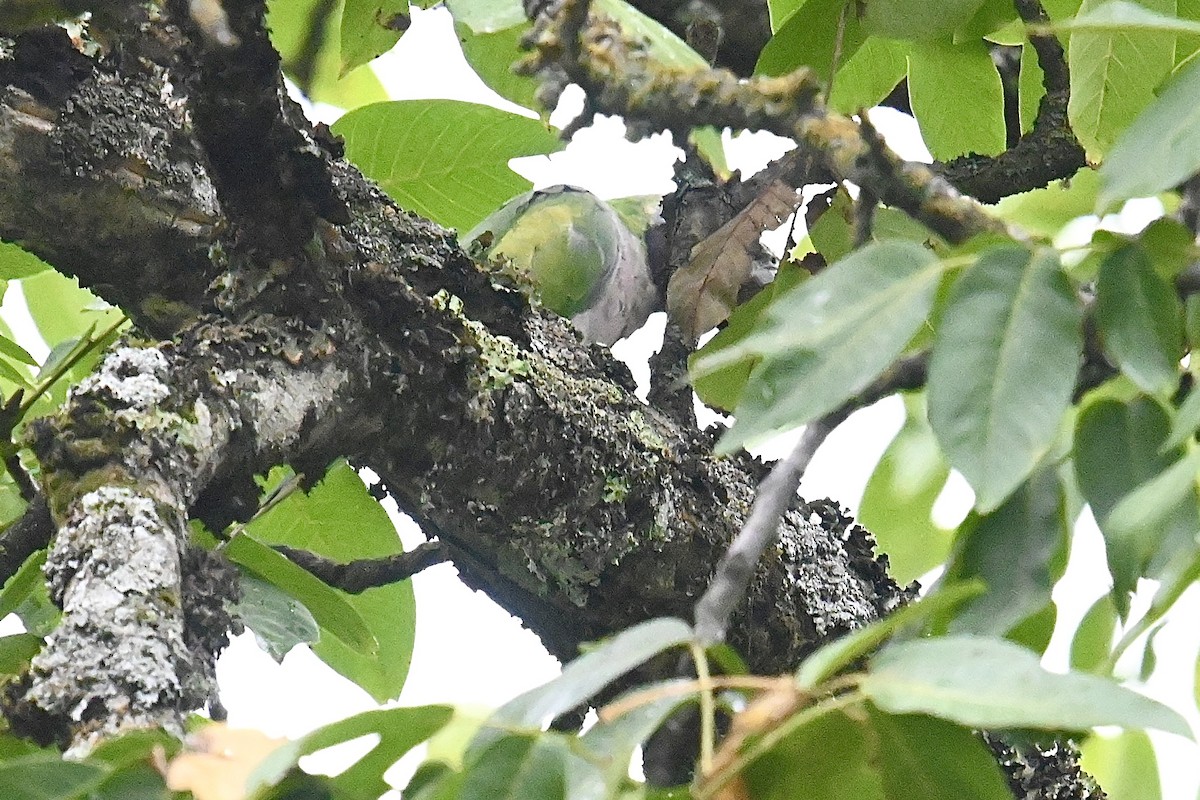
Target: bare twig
(622, 76)
(367, 573)
(1049, 150)
(775, 493)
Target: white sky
(470, 652)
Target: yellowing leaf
(702, 294)
(218, 760)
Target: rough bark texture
(576, 506)
(302, 316)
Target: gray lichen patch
(278, 406)
(115, 659)
(133, 379)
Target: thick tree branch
(1049, 151)
(576, 506)
(620, 76)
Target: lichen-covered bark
(569, 501)
(122, 465)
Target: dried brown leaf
(702, 294)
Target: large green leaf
(869, 75)
(1161, 148)
(723, 387)
(309, 44)
(398, 730)
(490, 32)
(897, 505)
(957, 98)
(591, 672)
(1094, 637)
(17, 263)
(929, 19)
(328, 606)
(830, 757)
(1125, 765)
(810, 37)
(370, 28)
(1113, 76)
(518, 766)
(1003, 367)
(841, 653)
(1017, 551)
(994, 684)
(1141, 319)
(828, 338)
(931, 759)
(1120, 446)
(1046, 211)
(444, 159)
(340, 520)
(47, 777)
(279, 621)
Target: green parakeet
(583, 261)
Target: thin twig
(358, 576)
(775, 493)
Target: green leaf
(47, 777)
(1125, 765)
(1035, 631)
(492, 55)
(16, 651)
(1141, 517)
(831, 757)
(610, 744)
(659, 43)
(14, 351)
(518, 767)
(780, 10)
(1013, 550)
(399, 730)
(369, 29)
(279, 621)
(723, 387)
(1046, 211)
(904, 19)
(1003, 368)
(897, 505)
(1141, 319)
(832, 658)
(61, 309)
(928, 758)
(18, 263)
(827, 339)
(23, 583)
(1187, 420)
(1119, 446)
(1161, 148)
(309, 44)
(1121, 16)
(957, 98)
(340, 520)
(329, 606)
(487, 16)
(810, 38)
(1113, 76)
(591, 672)
(869, 75)
(994, 684)
(1030, 87)
(1094, 637)
(443, 159)
(134, 782)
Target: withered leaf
(702, 294)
